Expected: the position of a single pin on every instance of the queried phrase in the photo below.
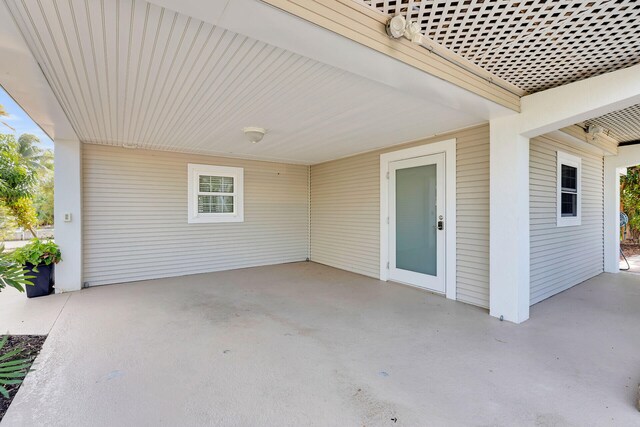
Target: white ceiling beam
(602, 144)
(562, 106)
(22, 78)
(608, 145)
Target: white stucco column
(627, 156)
(611, 215)
(509, 221)
(68, 214)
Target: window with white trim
(215, 194)
(569, 191)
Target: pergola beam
(572, 103)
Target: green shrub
(38, 252)
(11, 370)
(12, 273)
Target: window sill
(215, 219)
(568, 222)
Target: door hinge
(387, 175)
(387, 220)
(387, 265)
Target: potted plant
(39, 259)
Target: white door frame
(448, 147)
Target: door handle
(441, 225)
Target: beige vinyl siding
(345, 212)
(562, 257)
(135, 217)
(472, 205)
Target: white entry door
(417, 222)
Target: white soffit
(622, 125)
(22, 78)
(533, 44)
(132, 72)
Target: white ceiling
(134, 72)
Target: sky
(20, 121)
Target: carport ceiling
(533, 44)
(622, 125)
(130, 72)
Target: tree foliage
(630, 198)
(3, 113)
(43, 200)
(30, 152)
(18, 181)
(26, 181)
(7, 223)
(12, 273)
(12, 369)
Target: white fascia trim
(194, 170)
(448, 147)
(562, 136)
(575, 161)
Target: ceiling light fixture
(129, 145)
(254, 134)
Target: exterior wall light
(398, 27)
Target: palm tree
(27, 149)
(3, 113)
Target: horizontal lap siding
(135, 217)
(472, 230)
(562, 257)
(345, 213)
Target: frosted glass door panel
(416, 213)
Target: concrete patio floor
(304, 344)
(634, 264)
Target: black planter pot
(43, 280)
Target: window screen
(215, 194)
(569, 188)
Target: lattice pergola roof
(622, 125)
(533, 44)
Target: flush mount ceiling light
(129, 145)
(254, 134)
